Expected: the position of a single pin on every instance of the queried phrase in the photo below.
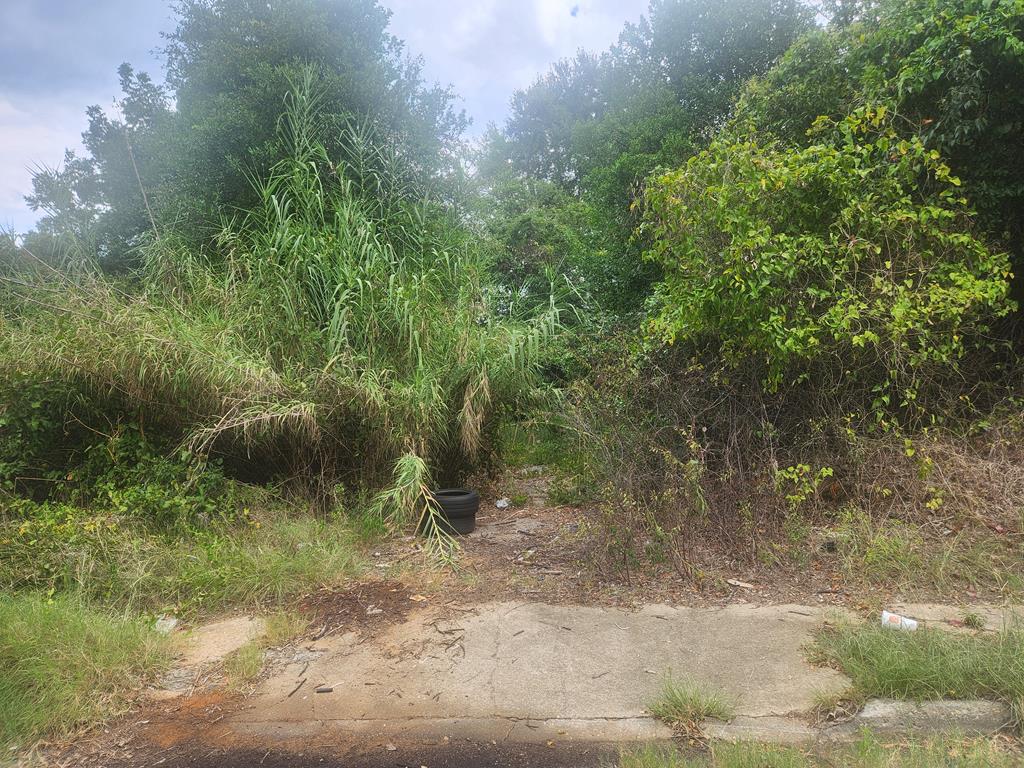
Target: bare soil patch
(365, 607)
(548, 553)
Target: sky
(59, 56)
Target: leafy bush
(949, 67)
(855, 253)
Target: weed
(65, 665)
(282, 627)
(878, 551)
(832, 705)
(245, 664)
(533, 444)
(926, 664)
(279, 629)
(973, 620)
(684, 703)
(569, 489)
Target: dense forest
(751, 274)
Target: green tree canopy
(598, 125)
(187, 151)
(952, 70)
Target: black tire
(458, 509)
(459, 526)
(458, 502)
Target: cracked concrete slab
(204, 647)
(530, 671)
(777, 730)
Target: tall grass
(929, 663)
(65, 665)
(329, 334)
(114, 560)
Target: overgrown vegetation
(928, 663)
(745, 283)
(326, 333)
(65, 664)
(829, 339)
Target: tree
(598, 126)
(950, 68)
(229, 65)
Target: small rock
(390, 747)
(372, 610)
(165, 624)
(503, 503)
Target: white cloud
(34, 132)
(489, 48)
(485, 48)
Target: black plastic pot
(458, 509)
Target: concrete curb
(974, 717)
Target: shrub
(949, 67)
(854, 254)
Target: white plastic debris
(165, 624)
(895, 621)
(503, 503)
